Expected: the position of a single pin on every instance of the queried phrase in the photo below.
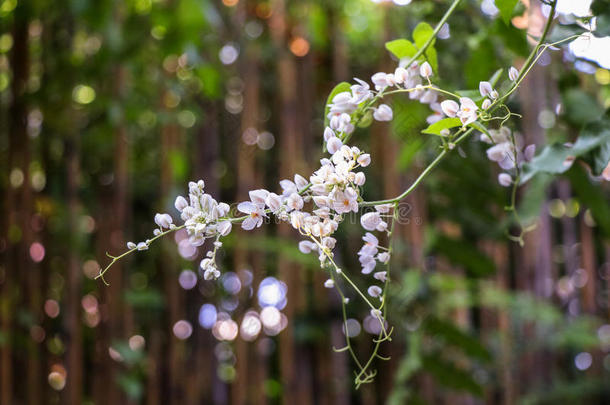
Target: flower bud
(425, 70)
(450, 108)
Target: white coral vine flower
(224, 228)
(255, 215)
(379, 79)
(306, 246)
(381, 276)
(360, 92)
(142, 246)
(329, 283)
(486, 104)
(294, 202)
(383, 257)
(374, 291)
(364, 160)
(274, 202)
(131, 245)
(401, 75)
(180, 203)
(359, 179)
(485, 89)
(425, 70)
(450, 108)
(505, 180)
(468, 111)
(513, 73)
(345, 201)
(333, 144)
(370, 221)
(258, 196)
(383, 208)
(163, 220)
(383, 113)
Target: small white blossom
(180, 203)
(163, 220)
(224, 228)
(513, 73)
(142, 246)
(381, 276)
(505, 180)
(255, 215)
(425, 70)
(131, 245)
(485, 89)
(374, 291)
(333, 145)
(486, 104)
(468, 111)
(329, 283)
(364, 160)
(450, 108)
(383, 113)
(370, 221)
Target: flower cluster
(508, 151)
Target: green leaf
(339, 88)
(493, 80)
(445, 123)
(422, 32)
(453, 336)
(450, 376)
(464, 253)
(401, 48)
(506, 8)
(592, 196)
(581, 107)
(552, 159)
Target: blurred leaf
(131, 385)
(463, 253)
(552, 159)
(563, 31)
(592, 196)
(580, 107)
(454, 336)
(147, 299)
(450, 376)
(401, 48)
(339, 88)
(506, 8)
(439, 126)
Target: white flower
(370, 221)
(368, 264)
(486, 104)
(401, 75)
(273, 201)
(359, 179)
(485, 89)
(529, 152)
(142, 246)
(383, 208)
(300, 181)
(505, 180)
(345, 201)
(255, 215)
(333, 145)
(224, 228)
(131, 245)
(157, 232)
(211, 273)
(468, 111)
(258, 196)
(425, 70)
(374, 291)
(294, 202)
(328, 133)
(383, 257)
(428, 97)
(450, 108)
(513, 73)
(306, 246)
(222, 209)
(364, 160)
(360, 91)
(379, 80)
(383, 113)
(180, 203)
(381, 276)
(163, 220)
(499, 152)
(288, 187)
(329, 283)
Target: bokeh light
(207, 316)
(37, 252)
(187, 279)
(182, 329)
(272, 292)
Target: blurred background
(108, 108)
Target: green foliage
(401, 48)
(461, 253)
(506, 8)
(557, 158)
(439, 126)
